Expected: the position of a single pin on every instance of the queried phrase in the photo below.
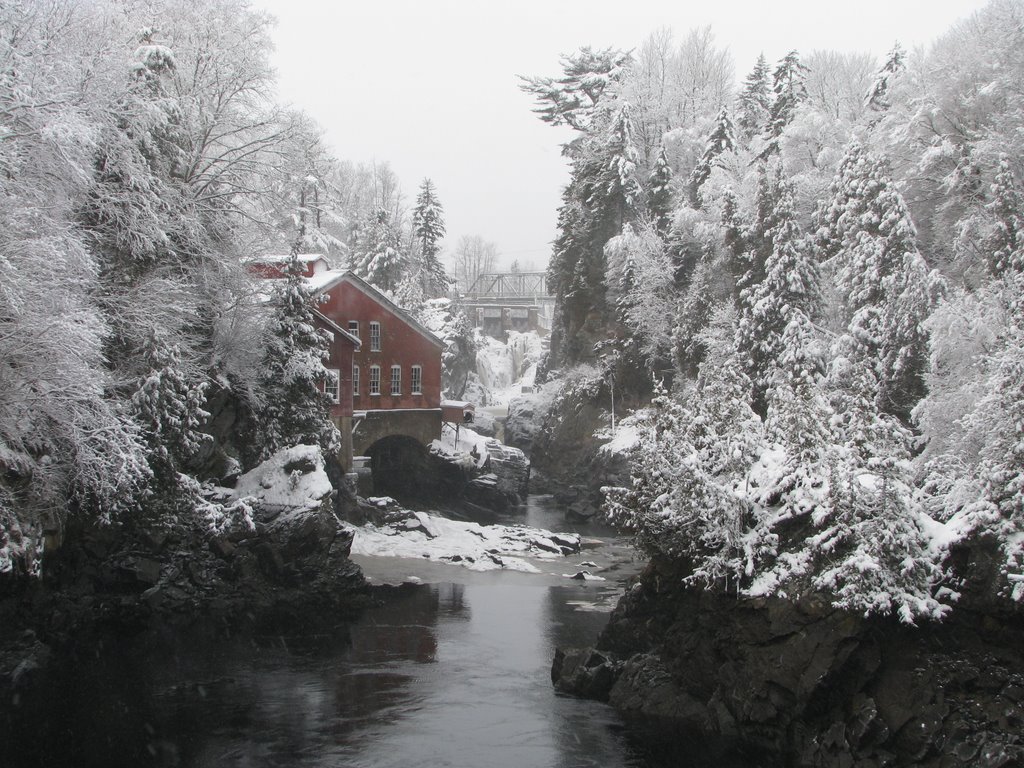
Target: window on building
(374, 379)
(353, 328)
(396, 379)
(332, 386)
(374, 336)
(355, 381)
(417, 379)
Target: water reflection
(446, 675)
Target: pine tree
(1006, 244)
(721, 141)
(865, 231)
(790, 285)
(169, 408)
(659, 192)
(789, 91)
(872, 554)
(693, 315)
(429, 229)
(754, 102)
(139, 209)
(297, 409)
(798, 414)
(617, 193)
(378, 259)
(734, 240)
(877, 97)
(574, 98)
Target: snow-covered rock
(290, 480)
(419, 535)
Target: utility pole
(611, 383)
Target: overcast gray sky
(431, 87)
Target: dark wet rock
(484, 492)
(156, 570)
(511, 470)
(585, 672)
(147, 570)
(806, 684)
(523, 422)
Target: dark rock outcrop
(808, 684)
(511, 470)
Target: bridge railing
(509, 285)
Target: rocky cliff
(800, 683)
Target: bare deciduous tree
(473, 256)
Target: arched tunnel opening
(403, 468)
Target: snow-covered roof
(326, 280)
(337, 328)
(304, 258)
(457, 404)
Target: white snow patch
(273, 488)
(471, 447)
(470, 545)
(627, 433)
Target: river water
(450, 673)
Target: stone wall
(423, 425)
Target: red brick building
(398, 364)
(342, 347)
(388, 366)
(396, 372)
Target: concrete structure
(499, 302)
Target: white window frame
(353, 328)
(396, 380)
(375, 380)
(355, 380)
(375, 334)
(416, 380)
(333, 381)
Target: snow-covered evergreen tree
(754, 101)
(866, 233)
(617, 194)
(735, 243)
(790, 285)
(429, 229)
(170, 409)
(721, 141)
(297, 410)
(788, 92)
(659, 192)
(377, 257)
(877, 97)
(1006, 243)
